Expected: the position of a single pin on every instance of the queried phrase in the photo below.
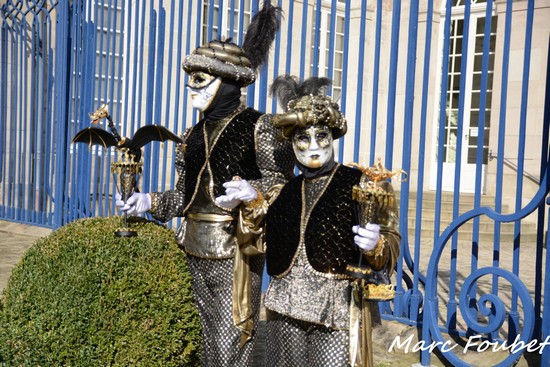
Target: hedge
(83, 297)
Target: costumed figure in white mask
(312, 234)
(228, 161)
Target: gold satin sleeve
(251, 242)
(386, 252)
(250, 227)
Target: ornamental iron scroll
(17, 10)
(495, 310)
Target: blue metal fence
(400, 70)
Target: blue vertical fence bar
(163, 166)
(360, 69)
(376, 80)
(417, 276)
(400, 308)
(408, 121)
(452, 312)
(303, 48)
(332, 37)
(432, 301)
(481, 136)
(3, 104)
(106, 196)
(316, 38)
(290, 28)
(276, 60)
(392, 83)
(60, 115)
(345, 63)
(251, 89)
(545, 324)
(514, 314)
(542, 329)
(149, 69)
(107, 18)
(501, 140)
(159, 87)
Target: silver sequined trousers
(293, 343)
(211, 281)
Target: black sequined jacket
(233, 154)
(327, 235)
(247, 147)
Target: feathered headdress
(306, 103)
(228, 60)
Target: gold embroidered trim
(357, 269)
(380, 292)
(209, 150)
(206, 217)
(303, 225)
(256, 203)
(379, 249)
(154, 202)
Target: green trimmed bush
(83, 297)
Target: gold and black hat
(227, 60)
(306, 104)
(223, 59)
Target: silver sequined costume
(211, 244)
(308, 310)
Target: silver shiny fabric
(209, 239)
(303, 293)
(212, 285)
(292, 342)
(274, 156)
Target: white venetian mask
(203, 88)
(313, 145)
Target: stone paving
(17, 238)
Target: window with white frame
(464, 100)
(472, 91)
(324, 51)
(109, 55)
(229, 17)
(108, 73)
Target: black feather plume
(314, 86)
(286, 88)
(261, 33)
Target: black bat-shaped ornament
(129, 164)
(143, 136)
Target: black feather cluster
(287, 88)
(261, 33)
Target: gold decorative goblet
(372, 200)
(127, 170)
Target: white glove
(366, 237)
(235, 193)
(136, 204)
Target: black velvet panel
(283, 227)
(328, 237)
(233, 155)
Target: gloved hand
(235, 193)
(366, 237)
(136, 204)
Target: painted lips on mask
(313, 145)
